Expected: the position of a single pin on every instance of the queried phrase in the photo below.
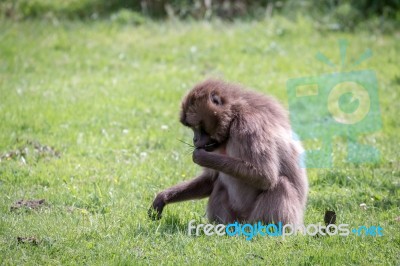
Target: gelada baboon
(243, 141)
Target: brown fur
(251, 166)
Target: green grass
(107, 98)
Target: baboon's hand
(156, 208)
(199, 156)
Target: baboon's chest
(240, 195)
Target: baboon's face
(208, 114)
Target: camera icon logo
(342, 104)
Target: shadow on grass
(172, 224)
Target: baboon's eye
(216, 99)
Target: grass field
(89, 122)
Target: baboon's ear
(216, 99)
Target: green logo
(342, 104)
